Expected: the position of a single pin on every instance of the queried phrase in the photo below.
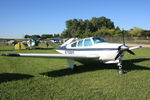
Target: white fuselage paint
(106, 51)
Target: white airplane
(91, 49)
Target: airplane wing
(67, 56)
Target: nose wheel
(120, 71)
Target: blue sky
(20, 17)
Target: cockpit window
(98, 40)
(80, 43)
(87, 42)
(74, 44)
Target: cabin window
(74, 44)
(98, 40)
(87, 42)
(80, 43)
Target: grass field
(50, 79)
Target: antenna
(123, 36)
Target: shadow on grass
(5, 77)
(127, 65)
(68, 71)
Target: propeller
(123, 48)
(131, 52)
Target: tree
(105, 32)
(35, 36)
(84, 28)
(136, 32)
(32, 36)
(105, 22)
(27, 36)
(56, 35)
(45, 36)
(146, 33)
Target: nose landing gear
(121, 71)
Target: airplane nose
(122, 49)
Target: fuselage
(92, 46)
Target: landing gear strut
(71, 64)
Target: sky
(20, 17)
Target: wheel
(74, 67)
(120, 71)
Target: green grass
(50, 79)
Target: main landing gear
(71, 64)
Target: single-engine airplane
(90, 49)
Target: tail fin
(67, 42)
(54, 45)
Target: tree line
(101, 27)
(43, 36)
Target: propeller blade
(131, 52)
(119, 54)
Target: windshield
(98, 40)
